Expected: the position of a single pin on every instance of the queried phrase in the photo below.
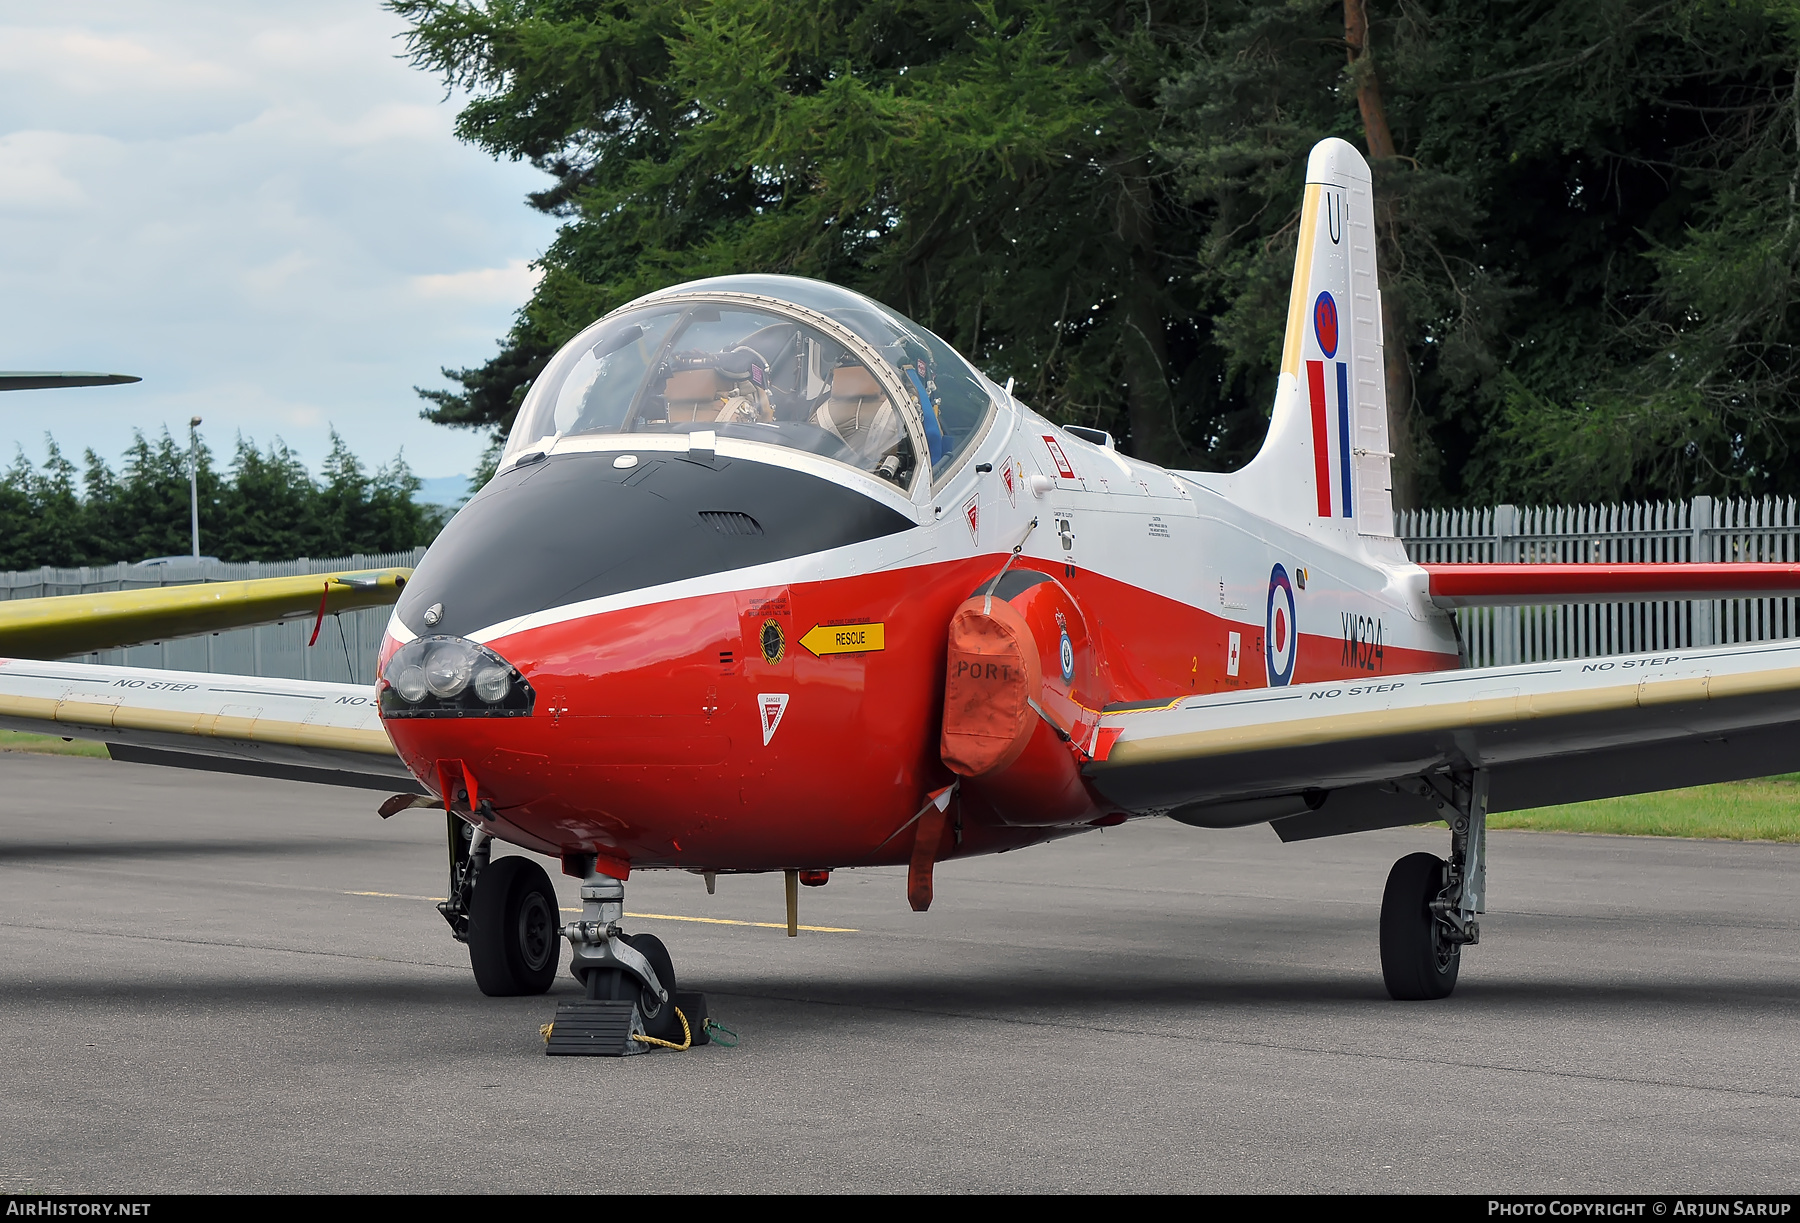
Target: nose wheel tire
(513, 921)
(1418, 958)
(660, 1022)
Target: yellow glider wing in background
(62, 625)
(302, 730)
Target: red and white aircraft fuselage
(789, 712)
(788, 715)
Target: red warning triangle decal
(771, 705)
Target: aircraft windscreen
(935, 374)
(668, 366)
(743, 373)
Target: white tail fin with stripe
(1324, 465)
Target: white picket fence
(1704, 529)
(344, 652)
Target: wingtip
(41, 380)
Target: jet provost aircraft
(771, 579)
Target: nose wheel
(621, 985)
(631, 1004)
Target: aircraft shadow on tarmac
(77, 851)
(813, 1011)
(1001, 999)
(186, 993)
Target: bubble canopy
(774, 359)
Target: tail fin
(1324, 464)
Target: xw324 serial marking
(1362, 642)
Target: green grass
(50, 745)
(1766, 809)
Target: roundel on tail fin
(1325, 324)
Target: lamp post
(194, 481)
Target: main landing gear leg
(470, 849)
(630, 982)
(505, 911)
(1428, 912)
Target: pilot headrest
(853, 382)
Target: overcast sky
(257, 208)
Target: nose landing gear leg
(630, 982)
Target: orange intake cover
(993, 672)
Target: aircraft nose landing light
(451, 677)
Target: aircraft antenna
(987, 608)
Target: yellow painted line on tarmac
(399, 896)
(726, 921)
(710, 921)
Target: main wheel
(1417, 959)
(660, 1022)
(513, 940)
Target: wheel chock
(587, 1028)
(694, 1007)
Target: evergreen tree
(1589, 236)
(1581, 196)
(988, 170)
(269, 509)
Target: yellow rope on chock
(687, 1036)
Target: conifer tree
(1590, 250)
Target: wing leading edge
(1345, 756)
(302, 730)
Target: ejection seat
(857, 413)
(733, 389)
(693, 395)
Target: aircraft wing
(302, 730)
(1349, 755)
(80, 624)
(40, 380)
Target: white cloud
(257, 208)
(512, 283)
(273, 277)
(31, 174)
(79, 61)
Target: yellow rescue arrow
(823, 639)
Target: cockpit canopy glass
(760, 373)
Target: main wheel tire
(513, 921)
(1417, 960)
(661, 1023)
